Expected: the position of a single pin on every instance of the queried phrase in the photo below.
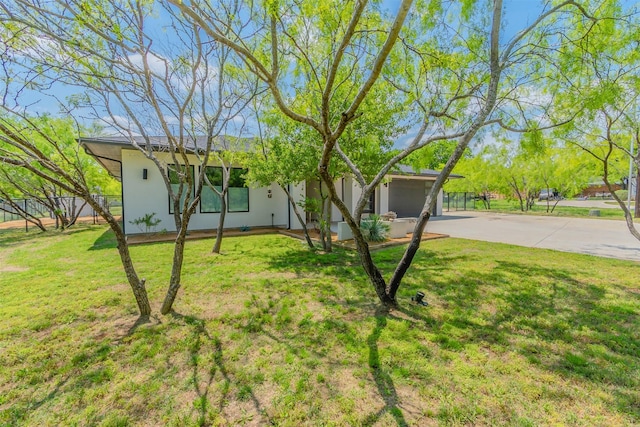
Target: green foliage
(622, 194)
(434, 156)
(148, 221)
(311, 205)
(374, 229)
(553, 334)
(56, 139)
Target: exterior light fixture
(145, 173)
(418, 299)
(269, 193)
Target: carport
(406, 196)
(408, 189)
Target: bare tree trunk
(627, 214)
(296, 211)
(409, 254)
(223, 212)
(327, 225)
(375, 276)
(137, 285)
(176, 270)
(22, 212)
(372, 271)
(514, 185)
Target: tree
(563, 171)
(602, 90)
(220, 179)
(142, 83)
(321, 66)
(280, 155)
(482, 174)
(46, 198)
(18, 132)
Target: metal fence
(459, 201)
(7, 213)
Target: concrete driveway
(600, 237)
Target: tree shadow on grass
(384, 382)
(13, 236)
(106, 240)
(559, 323)
(201, 341)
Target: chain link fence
(9, 212)
(459, 202)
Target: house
(144, 191)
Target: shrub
(374, 229)
(148, 221)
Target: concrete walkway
(600, 237)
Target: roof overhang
(421, 176)
(107, 152)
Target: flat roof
(108, 150)
(407, 172)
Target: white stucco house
(144, 191)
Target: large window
(370, 207)
(238, 199)
(210, 201)
(237, 196)
(174, 180)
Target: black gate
(459, 201)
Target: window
(174, 180)
(370, 207)
(209, 201)
(237, 195)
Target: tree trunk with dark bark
(223, 212)
(176, 270)
(137, 285)
(296, 211)
(409, 253)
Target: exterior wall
(439, 203)
(298, 192)
(409, 195)
(383, 198)
(142, 196)
(336, 215)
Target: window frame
(245, 187)
(204, 185)
(193, 189)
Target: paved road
(588, 203)
(607, 238)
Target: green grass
(270, 333)
(540, 208)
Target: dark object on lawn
(418, 299)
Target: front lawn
(270, 333)
(540, 208)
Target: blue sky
(518, 15)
